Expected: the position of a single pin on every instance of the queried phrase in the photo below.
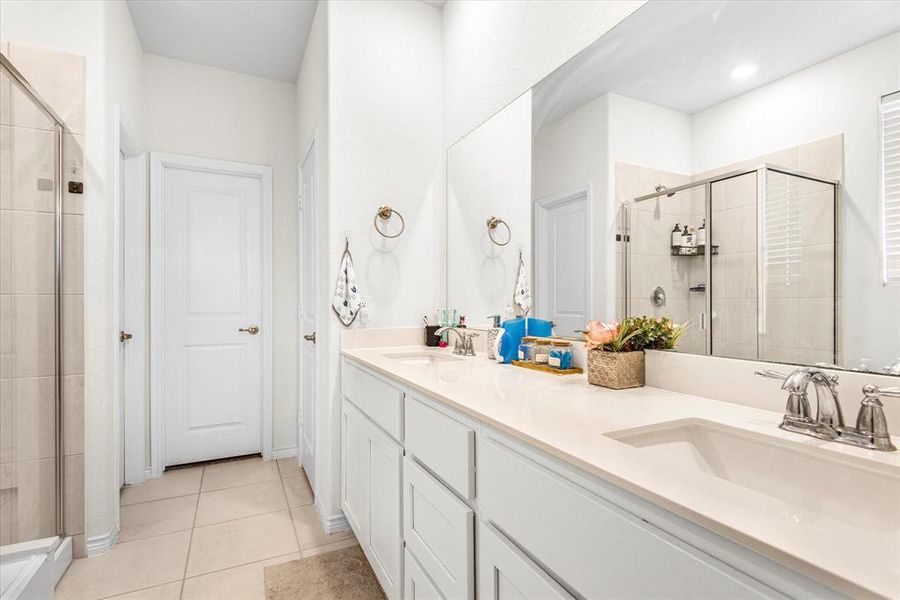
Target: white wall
(495, 50)
(489, 174)
(837, 96)
(384, 147)
(207, 112)
(104, 34)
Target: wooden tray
(547, 368)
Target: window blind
(890, 186)
(783, 232)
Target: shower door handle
(124, 336)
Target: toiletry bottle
(701, 234)
(687, 237)
(676, 236)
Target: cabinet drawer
(375, 397)
(504, 571)
(592, 545)
(417, 585)
(439, 531)
(443, 444)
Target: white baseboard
(331, 523)
(99, 544)
(287, 452)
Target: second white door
(213, 277)
(563, 278)
(306, 313)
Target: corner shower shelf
(692, 250)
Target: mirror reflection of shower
(746, 256)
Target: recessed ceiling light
(744, 71)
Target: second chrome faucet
(871, 430)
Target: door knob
(310, 337)
(252, 330)
(124, 336)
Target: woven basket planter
(616, 370)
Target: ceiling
(265, 38)
(679, 54)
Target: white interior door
(212, 362)
(123, 336)
(307, 314)
(563, 277)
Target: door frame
(159, 162)
(539, 242)
(131, 201)
(311, 146)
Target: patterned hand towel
(522, 295)
(346, 300)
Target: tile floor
(205, 532)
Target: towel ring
(492, 224)
(385, 213)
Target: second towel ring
(385, 213)
(492, 224)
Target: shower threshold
(32, 569)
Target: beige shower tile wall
(652, 264)
(27, 348)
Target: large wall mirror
(734, 165)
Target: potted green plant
(616, 352)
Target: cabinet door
(355, 470)
(439, 532)
(417, 585)
(505, 572)
(386, 549)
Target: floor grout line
(187, 560)
(149, 587)
(252, 562)
(291, 515)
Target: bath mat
(340, 574)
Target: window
(890, 186)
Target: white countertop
(566, 417)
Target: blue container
(513, 332)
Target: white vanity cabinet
(371, 465)
(453, 508)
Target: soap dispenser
(676, 236)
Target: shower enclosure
(759, 284)
(33, 548)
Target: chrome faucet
(871, 430)
(464, 345)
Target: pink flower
(599, 333)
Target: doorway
(563, 274)
(211, 388)
(306, 313)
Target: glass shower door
(734, 277)
(797, 308)
(30, 469)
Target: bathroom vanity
(464, 479)
(725, 165)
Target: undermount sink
(422, 358)
(813, 480)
